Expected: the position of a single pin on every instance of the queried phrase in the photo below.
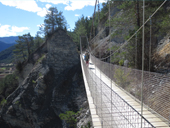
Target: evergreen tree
(53, 20)
(24, 47)
(38, 41)
(131, 15)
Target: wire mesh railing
(113, 111)
(156, 88)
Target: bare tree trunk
(139, 41)
(137, 13)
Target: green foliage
(17, 102)
(53, 19)
(3, 68)
(3, 102)
(9, 83)
(121, 62)
(40, 59)
(121, 78)
(38, 41)
(84, 24)
(19, 66)
(24, 47)
(6, 56)
(104, 10)
(131, 15)
(70, 118)
(33, 81)
(82, 28)
(40, 74)
(87, 126)
(118, 57)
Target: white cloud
(7, 30)
(89, 17)
(19, 29)
(27, 5)
(68, 29)
(55, 1)
(79, 5)
(30, 5)
(43, 12)
(77, 15)
(73, 4)
(48, 6)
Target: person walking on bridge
(87, 57)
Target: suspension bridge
(124, 97)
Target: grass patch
(3, 68)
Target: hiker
(84, 56)
(87, 58)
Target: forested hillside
(9, 40)
(4, 46)
(6, 56)
(126, 19)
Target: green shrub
(121, 62)
(19, 66)
(70, 118)
(121, 78)
(87, 126)
(9, 83)
(33, 81)
(3, 102)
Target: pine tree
(38, 41)
(53, 20)
(131, 15)
(24, 47)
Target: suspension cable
(93, 20)
(98, 12)
(143, 46)
(150, 44)
(136, 55)
(110, 66)
(126, 42)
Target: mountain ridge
(9, 40)
(4, 45)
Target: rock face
(54, 85)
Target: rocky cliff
(50, 83)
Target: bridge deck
(95, 118)
(150, 117)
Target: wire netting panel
(113, 111)
(156, 87)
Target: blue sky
(18, 17)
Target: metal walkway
(113, 107)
